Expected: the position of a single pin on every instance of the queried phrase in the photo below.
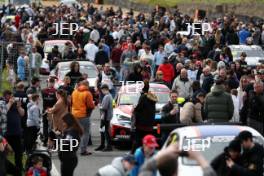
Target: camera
(23, 100)
(183, 154)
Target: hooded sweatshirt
(116, 168)
(82, 101)
(218, 105)
(168, 72)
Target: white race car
(209, 139)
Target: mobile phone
(183, 154)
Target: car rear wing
(173, 126)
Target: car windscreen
(250, 53)
(210, 147)
(132, 98)
(48, 47)
(87, 69)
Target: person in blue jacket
(144, 153)
(21, 66)
(243, 34)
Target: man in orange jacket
(82, 106)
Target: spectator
(145, 152)
(219, 163)
(243, 35)
(144, 108)
(101, 56)
(218, 105)
(116, 56)
(254, 107)
(37, 168)
(159, 57)
(235, 98)
(90, 49)
(14, 130)
(33, 123)
(120, 166)
(252, 157)
(35, 85)
(106, 116)
(183, 85)
(8, 77)
(192, 112)
(35, 62)
(159, 79)
(82, 106)
(74, 73)
(21, 66)
(136, 75)
(56, 113)
(168, 72)
(72, 132)
(49, 100)
(54, 57)
(170, 113)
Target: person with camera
(232, 152)
(170, 113)
(13, 133)
(166, 162)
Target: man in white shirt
(91, 49)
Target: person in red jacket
(168, 71)
(17, 20)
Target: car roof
(133, 87)
(68, 63)
(57, 41)
(244, 47)
(203, 131)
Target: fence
(9, 53)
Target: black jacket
(144, 112)
(220, 167)
(74, 76)
(252, 162)
(166, 116)
(208, 83)
(69, 151)
(101, 58)
(49, 97)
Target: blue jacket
(243, 35)
(140, 159)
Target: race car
(127, 97)
(210, 140)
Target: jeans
(31, 137)
(105, 135)
(45, 128)
(86, 124)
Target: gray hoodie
(33, 113)
(107, 107)
(116, 168)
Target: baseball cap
(150, 141)
(244, 135)
(130, 158)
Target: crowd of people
(128, 46)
